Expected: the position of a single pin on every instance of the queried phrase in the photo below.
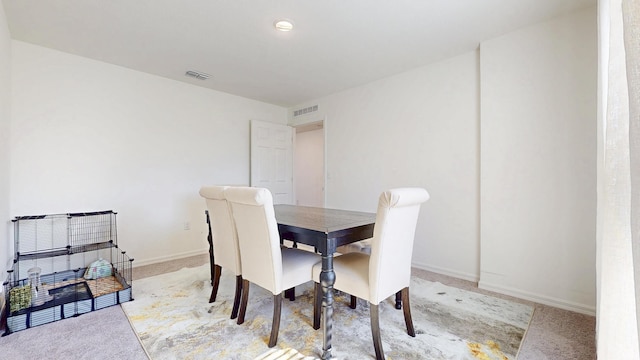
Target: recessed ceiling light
(283, 25)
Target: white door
(272, 159)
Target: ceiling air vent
(305, 111)
(198, 75)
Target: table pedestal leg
(327, 279)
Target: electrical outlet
(187, 225)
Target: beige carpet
(173, 319)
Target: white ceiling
(336, 44)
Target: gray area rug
(173, 319)
(96, 335)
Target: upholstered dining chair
(264, 262)
(225, 242)
(365, 247)
(387, 269)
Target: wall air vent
(197, 74)
(305, 111)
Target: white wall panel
(309, 168)
(418, 128)
(533, 161)
(5, 114)
(538, 162)
(87, 135)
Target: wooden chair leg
(375, 331)
(210, 241)
(215, 282)
(245, 299)
(275, 326)
(354, 301)
(399, 300)
(236, 298)
(407, 312)
(317, 302)
(290, 294)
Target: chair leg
(290, 294)
(236, 298)
(317, 302)
(245, 299)
(407, 312)
(399, 300)
(215, 282)
(275, 326)
(375, 331)
(354, 301)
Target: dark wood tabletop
(326, 229)
(322, 219)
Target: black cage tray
(61, 296)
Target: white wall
(309, 168)
(89, 136)
(419, 128)
(538, 162)
(537, 91)
(5, 113)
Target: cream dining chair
(225, 241)
(363, 246)
(387, 269)
(265, 262)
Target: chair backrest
(392, 243)
(258, 235)
(225, 239)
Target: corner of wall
(5, 117)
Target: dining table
(325, 229)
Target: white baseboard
(540, 299)
(138, 263)
(448, 272)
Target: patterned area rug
(174, 320)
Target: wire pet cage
(64, 265)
